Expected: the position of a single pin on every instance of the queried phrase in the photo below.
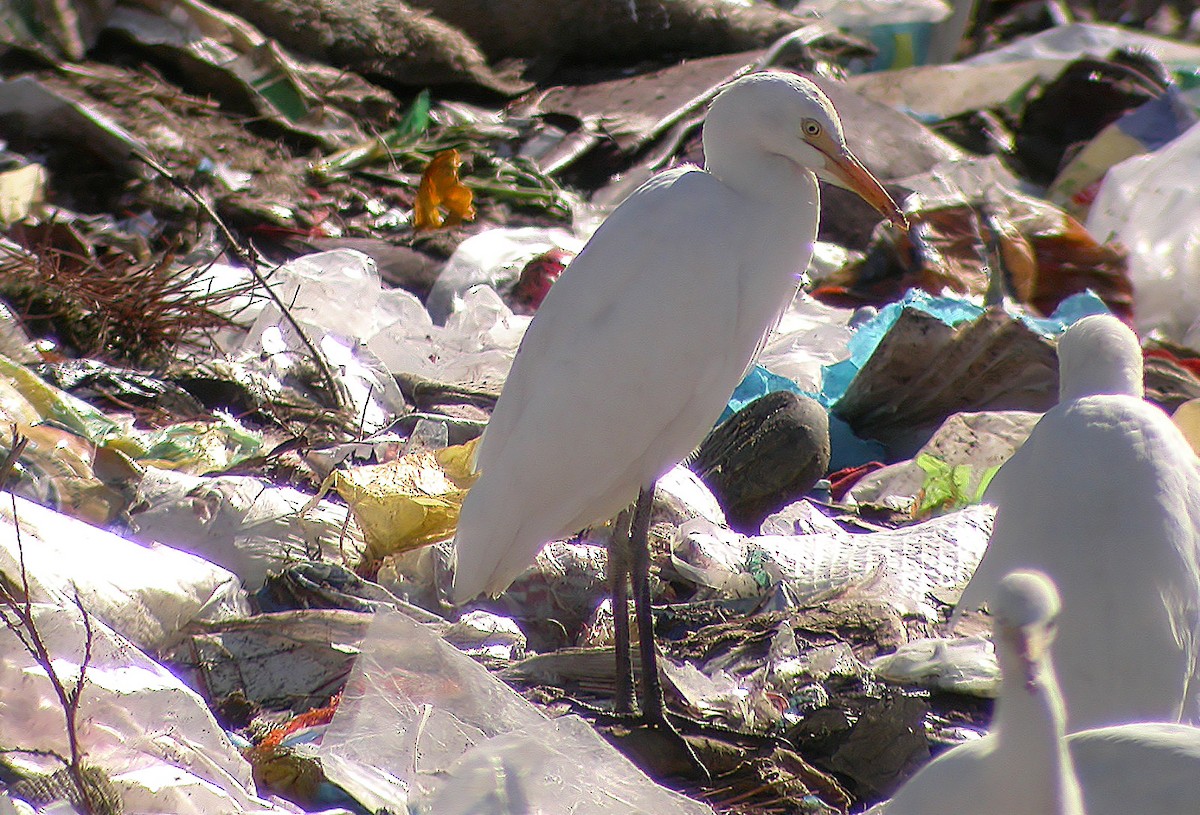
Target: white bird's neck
(1029, 728)
(767, 179)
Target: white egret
(1104, 497)
(638, 346)
(1022, 765)
(1025, 764)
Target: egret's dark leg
(639, 568)
(654, 712)
(618, 580)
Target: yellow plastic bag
(410, 502)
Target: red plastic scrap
(841, 481)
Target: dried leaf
(441, 189)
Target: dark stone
(767, 455)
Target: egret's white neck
(764, 177)
(1029, 728)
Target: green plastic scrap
(415, 122)
(204, 447)
(947, 488)
(68, 412)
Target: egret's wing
(629, 361)
(954, 783)
(1103, 497)
(1148, 768)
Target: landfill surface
(264, 268)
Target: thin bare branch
(250, 257)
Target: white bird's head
(1025, 610)
(782, 115)
(1097, 355)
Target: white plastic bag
(146, 592)
(154, 737)
(1149, 203)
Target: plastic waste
(810, 335)
(481, 634)
(1070, 41)
(290, 660)
(202, 447)
(247, 525)
(339, 298)
(980, 441)
(1145, 202)
(958, 665)
(567, 581)
(153, 737)
(476, 346)
(146, 592)
(235, 58)
(1187, 418)
(1140, 131)
(22, 190)
(423, 726)
(899, 29)
(494, 257)
(904, 564)
(409, 502)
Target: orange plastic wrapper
(441, 190)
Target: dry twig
(16, 612)
(250, 257)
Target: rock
(770, 453)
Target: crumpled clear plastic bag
(494, 257)
(247, 525)
(424, 726)
(1148, 202)
(338, 297)
(153, 736)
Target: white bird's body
(1022, 765)
(1026, 765)
(1104, 497)
(566, 438)
(637, 347)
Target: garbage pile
(264, 268)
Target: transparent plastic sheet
(477, 344)
(424, 726)
(1147, 202)
(148, 592)
(904, 564)
(494, 257)
(247, 525)
(153, 736)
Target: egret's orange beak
(849, 173)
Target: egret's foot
(678, 748)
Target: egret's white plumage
(1104, 497)
(637, 347)
(1026, 765)
(1022, 765)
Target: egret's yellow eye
(812, 127)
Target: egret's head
(785, 115)
(1025, 612)
(1099, 354)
